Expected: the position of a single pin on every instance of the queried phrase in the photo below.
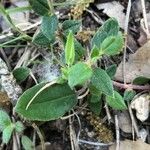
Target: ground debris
(137, 65)
(8, 83)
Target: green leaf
(49, 26)
(112, 45)
(21, 73)
(4, 120)
(102, 81)
(40, 6)
(79, 50)
(79, 74)
(50, 104)
(111, 71)
(141, 80)
(129, 95)
(95, 98)
(41, 39)
(73, 25)
(95, 104)
(19, 127)
(69, 49)
(95, 54)
(7, 132)
(116, 102)
(94, 90)
(27, 143)
(110, 28)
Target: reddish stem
(131, 86)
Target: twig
(80, 127)
(24, 57)
(131, 86)
(84, 95)
(74, 113)
(125, 44)
(16, 138)
(73, 139)
(117, 133)
(25, 29)
(33, 77)
(95, 16)
(40, 136)
(5, 58)
(34, 138)
(133, 120)
(94, 143)
(107, 112)
(145, 18)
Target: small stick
(131, 86)
(94, 143)
(84, 95)
(117, 133)
(125, 45)
(72, 135)
(40, 135)
(107, 112)
(133, 120)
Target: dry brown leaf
(113, 9)
(131, 145)
(137, 65)
(124, 121)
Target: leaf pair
(108, 40)
(46, 35)
(102, 82)
(7, 127)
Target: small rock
(142, 106)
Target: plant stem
(40, 136)
(13, 40)
(131, 86)
(18, 9)
(50, 4)
(8, 18)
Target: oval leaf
(95, 107)
(116, 102)
(4, 120)
(102, 81)
(7, 132)
(40, 39)
(129, 95)
(40, 6)
(111, 71)
(112, 45)
(27, 143)
(79, 74)
(109, 28)
(69, 49)
(19, 127)
(49, 26)
(141, 80)
(50, 104)
(73, 25)
(21, 73)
